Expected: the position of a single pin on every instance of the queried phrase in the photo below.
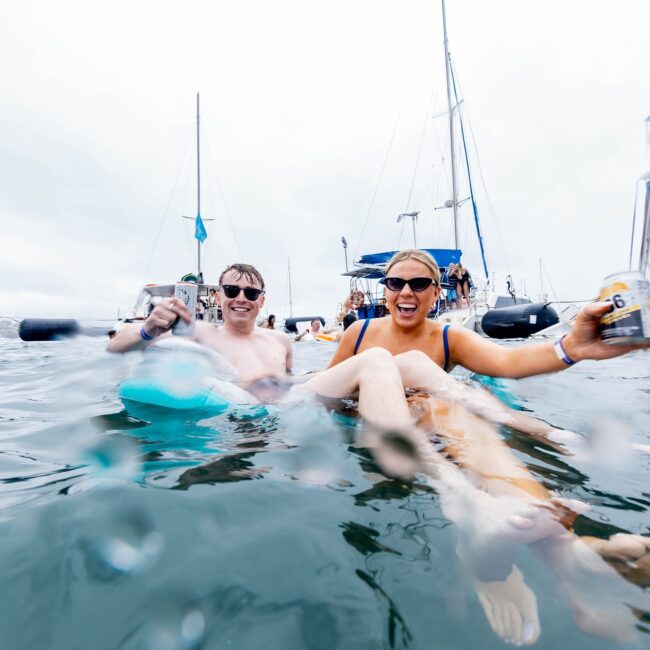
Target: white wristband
(561, 352)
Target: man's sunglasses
(232, 291)
(417, 284)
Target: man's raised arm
(157, 324)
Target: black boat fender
(54, 329)
(518, 321)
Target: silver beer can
(187, 292)
(629, 320)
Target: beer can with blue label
(629, 319)
(187, 292)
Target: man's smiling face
(239, 310)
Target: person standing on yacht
(213, 308)
(452, 294)
(463, 278)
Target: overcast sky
(318, 122)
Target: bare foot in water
(602, 603)
(510, 607)
(628, 554)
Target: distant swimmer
(310, 333)
(269, 323)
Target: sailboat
(522, 318)
(150, 294)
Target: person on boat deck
(310, 332)
(269, 323)
(212, 307)
(452, 294)
(463, 279)
(412, 286)
(253, 351)
(200, 309)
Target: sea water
(134, 529)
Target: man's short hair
(247, 271)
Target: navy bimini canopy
(443, 256)
(372, 266)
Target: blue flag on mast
(199, 229)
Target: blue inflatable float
(185, 376)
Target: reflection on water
(129, 528)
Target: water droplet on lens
(174, 626)
(114, 457)
(130, 545)
(193, 626)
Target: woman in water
(412, 286)
(444, 433)
(269, 323)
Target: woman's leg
(459, 292)
(420, 372)
(401, 449)
(465, 285)
(373, 376)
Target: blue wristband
(144, 336)
(561, 352)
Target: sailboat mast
(198, 184)
(290, 297)
(454, 183)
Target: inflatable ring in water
(185, 376)
(324, 337)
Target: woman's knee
(413, 359)
(377, 362)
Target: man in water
(311, 331)
(253, 351)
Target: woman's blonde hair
(419, 256)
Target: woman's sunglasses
(232, 291)
(417, 284)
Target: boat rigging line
(469, 177)
(417, 158)
(493, 214)
(223, 197)
(166, 211)
(381, 175)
